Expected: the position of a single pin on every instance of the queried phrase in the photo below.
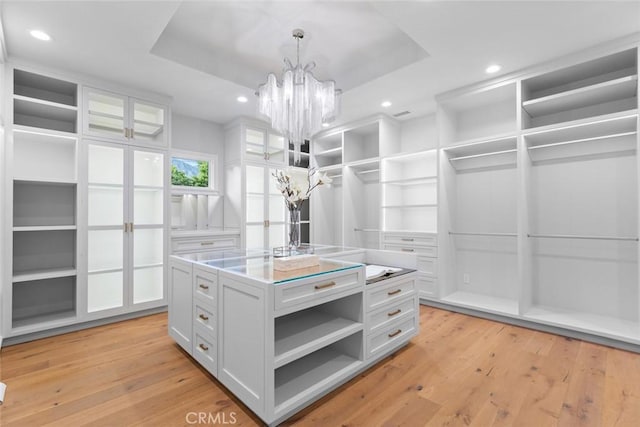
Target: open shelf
(46, 300)
(485, 302)
(600, 86)
(39, 250)
(303, 332)
(362, 143)
(43, 204)
(610, 136)
(624, 87)
(44, 274)
(45, 88)
(493, 153)
(607, 326)
(327, 150)
(299, 380)
(410, 167)
(45, 157)
(37, 113)
(478, 114)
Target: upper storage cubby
(327, 150)
(481, 114)
(361, 143)
(44, 102)
(593, 88)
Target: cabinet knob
(203, 286)
(406, 239)
(407, 250)
(391, 335)
(206, 243)
(204, 347)
(203, 317)
(393, 313)
(326, 285)
(397, 291)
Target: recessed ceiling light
(40, 35)
(242, 99)
(325, 125)
(386, 104)
(493, 68)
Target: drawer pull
(326, 285)
(203, 286)
(205, 348)
(407, 250)
(203, 317)
(390, 335)
(406, 239)
(206, 243)
(397, 291)
(393, 313)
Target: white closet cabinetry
(125, 226)
(539, 196)
(40, 287)
(253, 203)
(123, 118)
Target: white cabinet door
(261, 146)
(105, 114)
(126, 232)
(147, 218)
(265, 213)
(147, 123)
(121, 118)
(106, 229)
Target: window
(192, 172)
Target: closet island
(281, 340)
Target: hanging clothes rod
(367, 230)
(570, 236)
(483, 234)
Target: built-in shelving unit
(43, 203)
(539, 218)
(604, 85)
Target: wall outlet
(465, 278)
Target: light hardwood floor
(460, 370)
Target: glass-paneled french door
(125, 226)
(265, 208)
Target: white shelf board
(506, 158)
(106, 115)
(332, 152)
(52, 319)
(486, 146)
(412, 181)
(302, 378)
(150, 265)
(621, 144)
(105, 270)
(43, 274)
(301, 333)
(485, 302)
(621, 88)
(45, 228)
(48, 134)
(45, 181)
(607, 326)
(47, 109)
(609, 124)
(425, 205)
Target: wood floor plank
(460, 370)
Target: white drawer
(391, 313)
(196, 244)
(204, 316)
(428, 265)
(430, 251)
(382, 293)
(205, 351)
(205, 285)
(391, 335)
(318, 289)
(410, 239)
(427, 286)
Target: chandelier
(301, 104)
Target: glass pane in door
(148, 169)
(104, 291)
(106, 165)
(105, 171)
(275, 149)
(255, 194)
(105, 250)
(105, 205)
(148, 122)
(147, 284)
(255, 236)
(276, 235)
(148, 276)
(105, 114)
(148, 206)
(254, 144)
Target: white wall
(200, 136)
(418, 134)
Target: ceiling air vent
(402, 113)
